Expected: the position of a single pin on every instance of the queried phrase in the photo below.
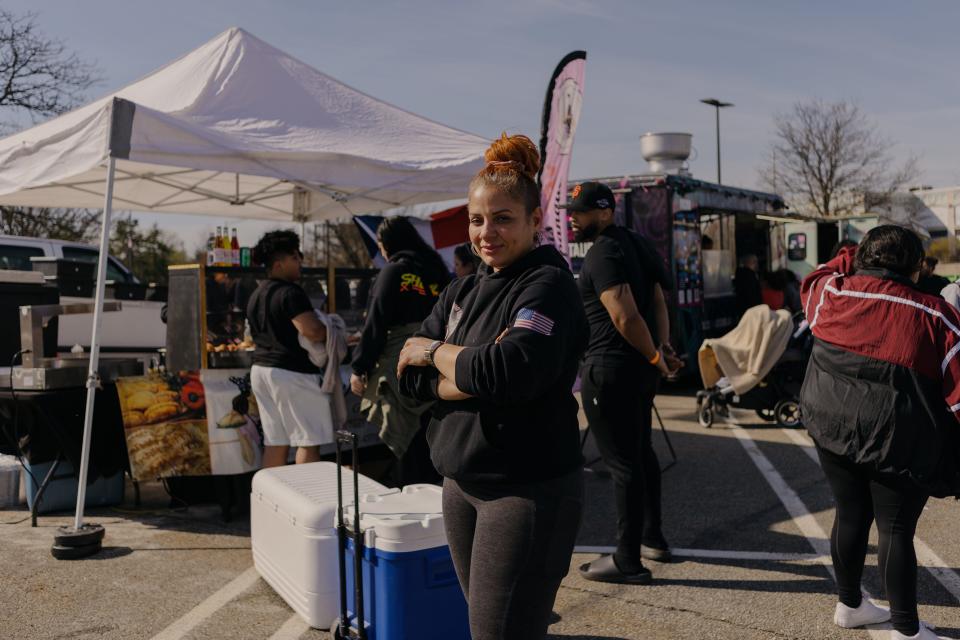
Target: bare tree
(38, 75)
(829, 160)
(345, 248)
(40, 78)
(78, 225)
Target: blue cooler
(61, 493)
(410, 589)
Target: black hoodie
(521, 425)
(405, 291)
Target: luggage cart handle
(341, 437)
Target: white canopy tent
(235, 128)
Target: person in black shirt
(500, 353)
(621, 283)
(929, 282)
(293, 411)
(746, 284)
(404, 293)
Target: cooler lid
(307, 493)
(413, 516)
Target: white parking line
(291, 629)
(721, 554)
(798, 511)
(209, 606)
(926, 556)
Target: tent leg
(79, 532)
(92, 378)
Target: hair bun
(515, 152)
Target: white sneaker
(924, 634)
(866, 613)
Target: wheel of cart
(704, 410)
(787, 414)
(767, 414)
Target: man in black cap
(621, 283)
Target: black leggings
(511, 548)
(618, 403)
(864, 495)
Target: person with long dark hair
(500, 353)
(404, 293)
(286, 384)
(465, 261)
(881, 399)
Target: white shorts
(293, 410)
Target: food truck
(700, 229)
(678, 213)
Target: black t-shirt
(619, 256)
(271, 311)
(932, 284)
(746, 286)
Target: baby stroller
(759, 365)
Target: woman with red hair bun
(499, 354)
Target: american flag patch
(530, 319)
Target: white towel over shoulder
(328, 355)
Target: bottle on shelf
(211, 245)
(234, 249)
(245, 259)
(225, 246)
(218, 248)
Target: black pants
(864, 495)
(618, 403)
(511, 547)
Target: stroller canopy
(748, 353)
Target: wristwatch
(430, 350)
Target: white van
(137, 327)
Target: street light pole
(717, 104)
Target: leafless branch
(830, 160)
(39, 75)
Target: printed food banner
(190, 424)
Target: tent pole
(92, 378)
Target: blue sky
(483, 66)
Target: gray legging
(511, 547)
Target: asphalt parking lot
(745, 506)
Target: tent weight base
(75, 553)
(87, 534)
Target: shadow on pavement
(559, 637)
(715, 498)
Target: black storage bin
(126, 290)
(73, 287)
(64, 269)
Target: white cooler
(292, 515)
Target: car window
(17, 258)
(82, 254)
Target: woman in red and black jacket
(881, 400)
